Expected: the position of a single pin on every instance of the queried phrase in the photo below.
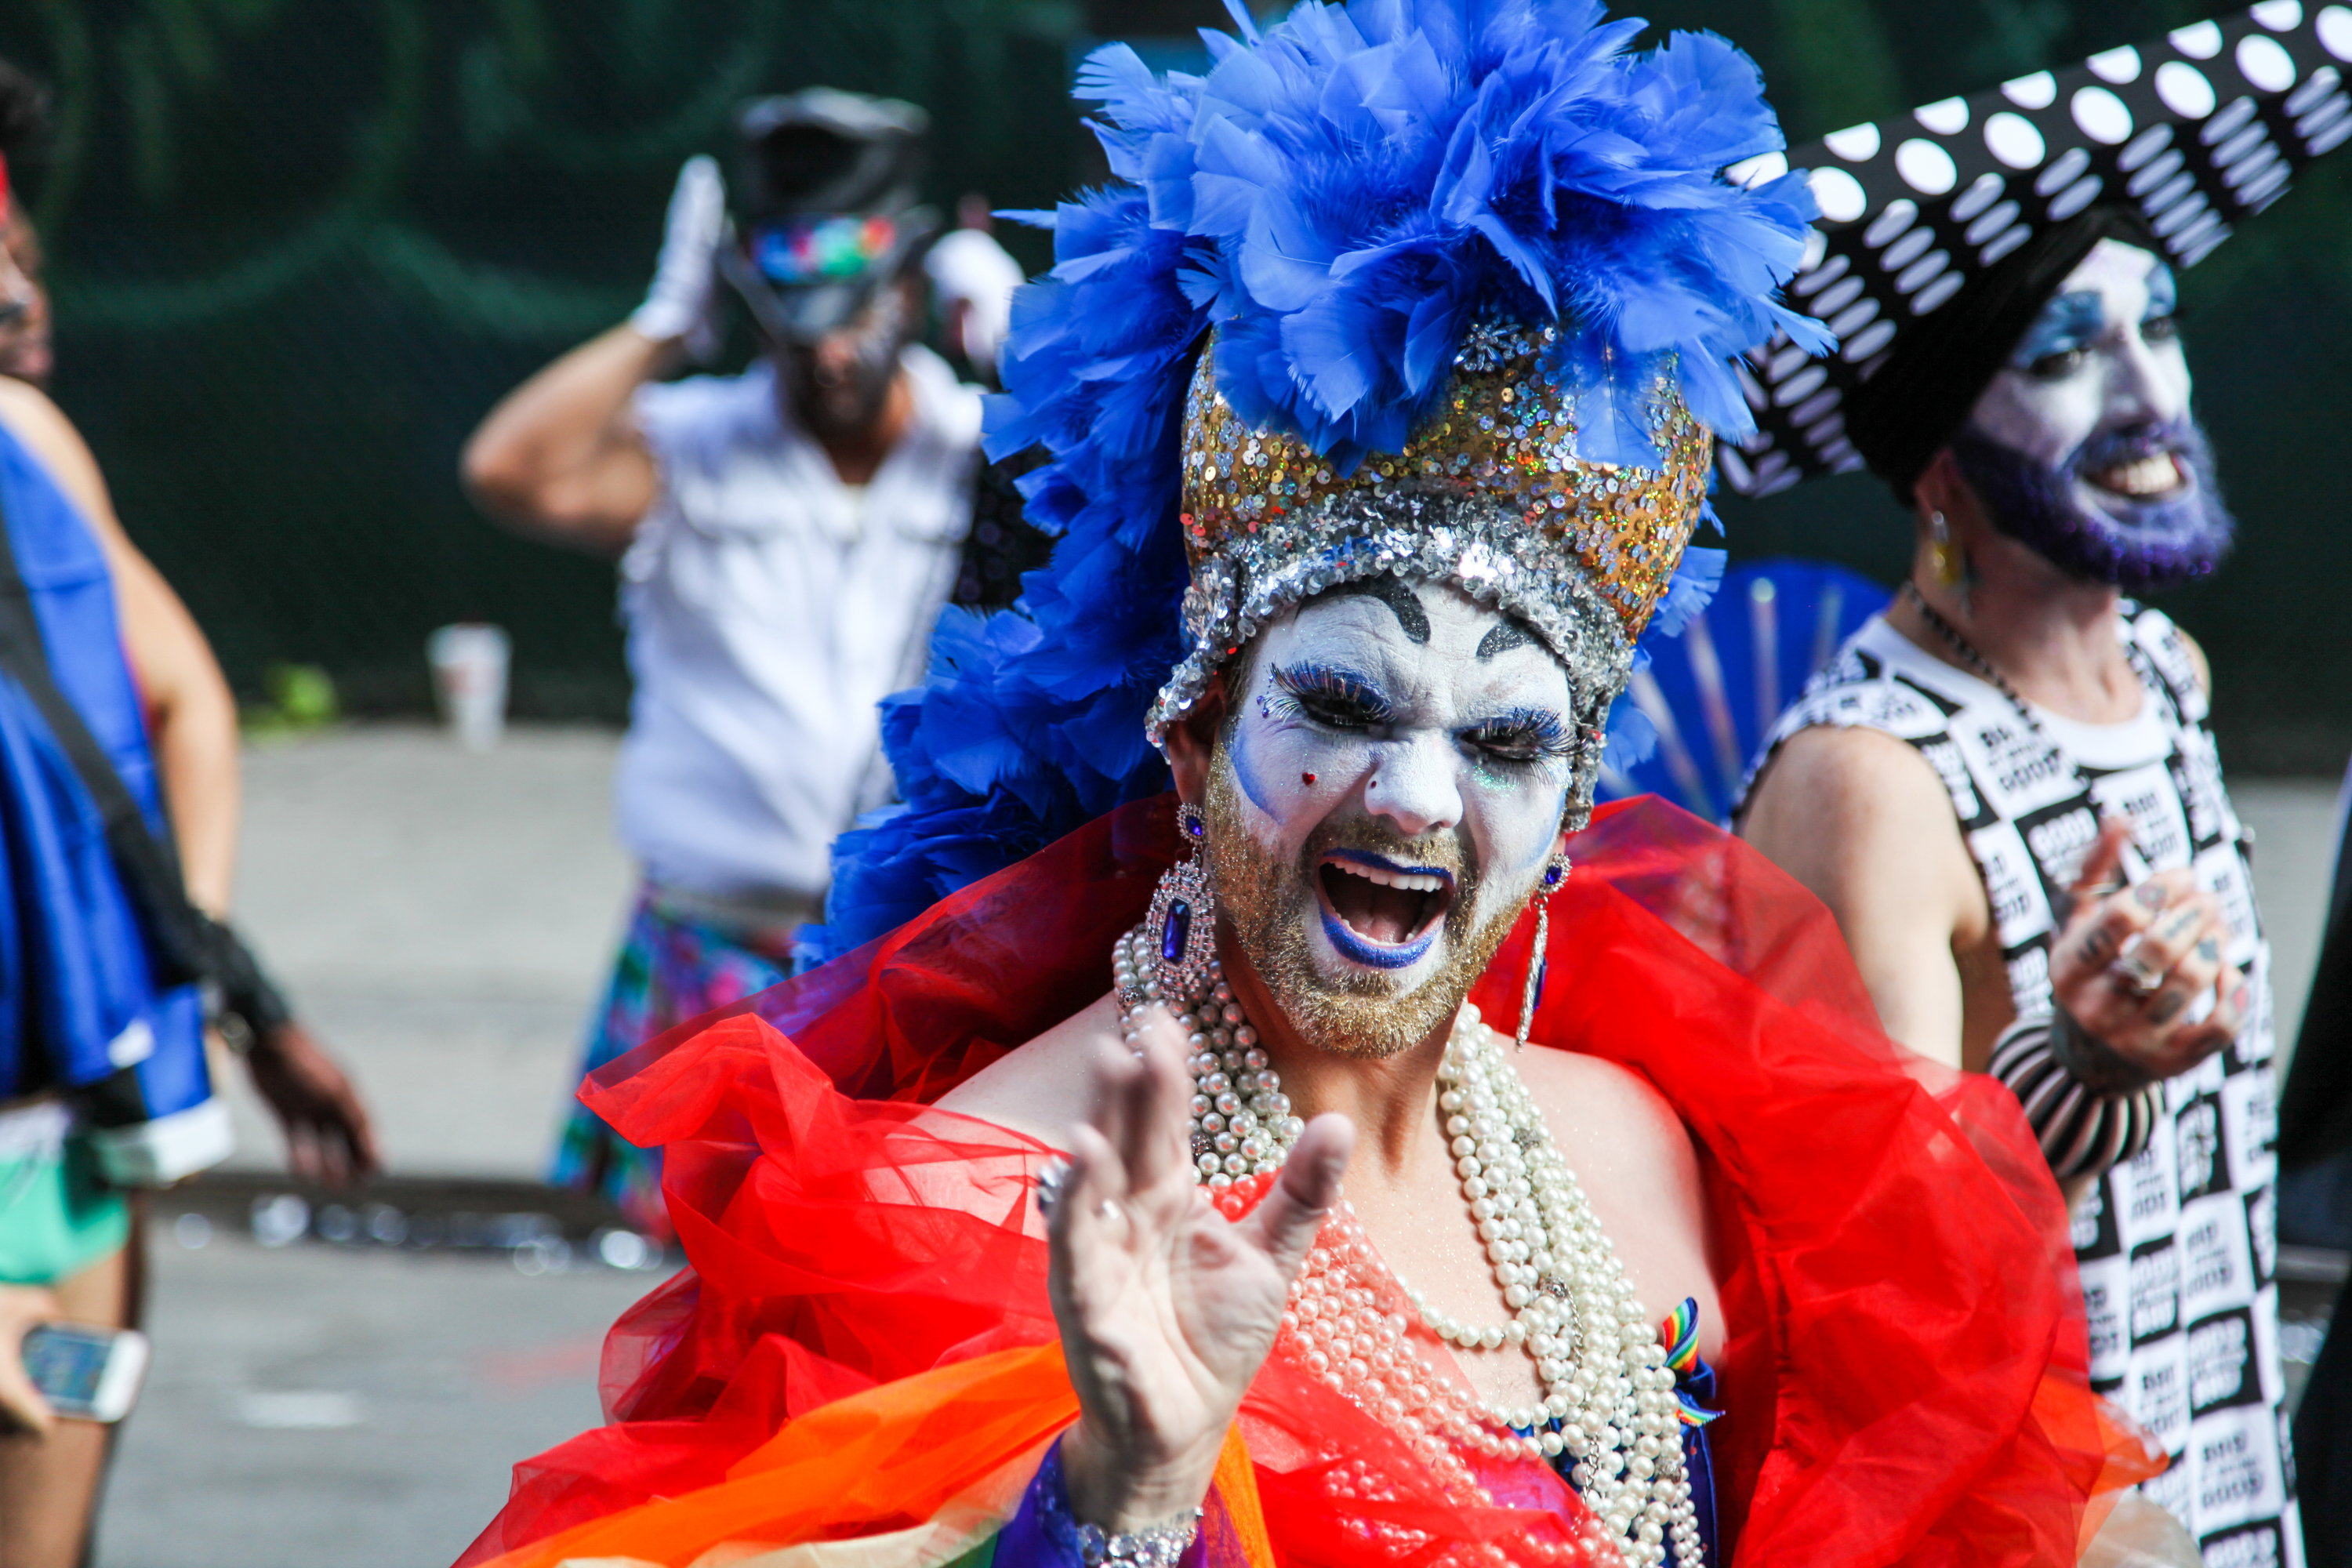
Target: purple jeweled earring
(1539, 960)
(1183, 924)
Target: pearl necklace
(1608, 1401)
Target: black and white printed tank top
(2177, 1247)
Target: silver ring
(2140, 978)
(1051, 1178)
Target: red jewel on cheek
(1307, 778)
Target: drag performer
(786, 538)
(1018, 1234)
(2006, 787)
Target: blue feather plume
(1338, 197)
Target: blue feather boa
(1337, 197)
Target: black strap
(190, 946)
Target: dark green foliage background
(299, 250)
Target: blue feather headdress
(1339, 199)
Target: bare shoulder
(1045, 1087)
(1610, 1120)
(1842, 772)
(1636, 1163)
(1859, 816)
(46, 431)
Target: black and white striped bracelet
(2084, 1127)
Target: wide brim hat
(2183, 138)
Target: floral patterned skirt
(670, 968)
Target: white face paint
(2102, 358)
(1398, 767)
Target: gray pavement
(444, 920)
(314, 1405)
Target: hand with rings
(1166, 1309)
(2133, 963)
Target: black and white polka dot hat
(2200, 128)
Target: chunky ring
(2137, 975)
(1051, 1178)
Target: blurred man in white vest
(786, 537)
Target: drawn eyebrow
(1506, 633)
(2163, 293)
(1393, 592)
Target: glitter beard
(1269, 900)
(2137, 546)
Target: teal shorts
(57, 1217)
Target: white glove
(682, 304)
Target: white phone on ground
(89, 1374)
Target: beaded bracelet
(2088, 1107)
(1155, 1546)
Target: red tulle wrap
(863, 1330)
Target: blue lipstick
(1359, 949)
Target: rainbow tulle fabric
(861, 1350)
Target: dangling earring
(1950, 563)
(1183, 924)
(1539, 960)
(1947, 560)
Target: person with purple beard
(2006, 790)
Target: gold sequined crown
(1487, 494)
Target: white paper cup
(469, 680)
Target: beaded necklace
(1974, 660)
(1609, 1403)
(1991, 675)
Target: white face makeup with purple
(1398, 751)
(2103, 355)
(2084, 447)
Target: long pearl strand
(1609, 1402)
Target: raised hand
(680, 307)
(2131, 964)
(1166, 1309)
(329, 1138)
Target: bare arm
(1862, 820)
(191, 716)
(560, 457)
(192, 720)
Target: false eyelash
(1303, 689)
(1538, 728)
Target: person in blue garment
(137, 669)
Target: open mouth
(2140, 478)
(1378, 912)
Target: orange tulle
(892, 1456)
(862, 1340)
